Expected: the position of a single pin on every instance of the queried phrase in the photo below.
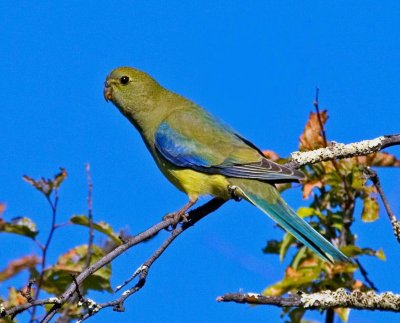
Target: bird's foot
(176, 218)
(180, 216)
(232, 191)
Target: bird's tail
(267, 198)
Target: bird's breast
(195, 183)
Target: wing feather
(190, 139)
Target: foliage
(334, 188)
(54, 278)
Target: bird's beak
(107, 92)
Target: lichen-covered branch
(13, 311)
(340, 151)
(322, 300)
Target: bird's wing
(192, 138)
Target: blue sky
(253, 64)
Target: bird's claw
(232, 191)
(176, 217)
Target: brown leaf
(47, 185)
(311, 137)
(357, 284)
(308, 187)
(43, 185)
(15, 266)
(15, 298)
(383, 159)
(271, 155)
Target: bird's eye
(124, 80)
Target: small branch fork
(322, 300)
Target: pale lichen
(354, 299)
(338, 150)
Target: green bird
(202, 156)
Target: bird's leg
(180, 214)
(232, 191)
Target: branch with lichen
(340, 151)
(323, 300)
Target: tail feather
(267, 198)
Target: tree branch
(322, 300)
(193, 217)
(341, 151)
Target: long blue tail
(267, 198)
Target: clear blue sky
(255, 64)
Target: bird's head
(129, 88)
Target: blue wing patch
(178, 149)
(187, 152)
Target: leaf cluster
(55, 278)
(334, 188)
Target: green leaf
(101, 226)
(20, 225)
(299, 257)
(296, 315)
(352, 251)
(357, 178)
(295, 279)
(343, 313)
(56, 278)
(305, 212)
(287, 241)
(272, 247)
(336, 220)
(370, 210)
(380, 254)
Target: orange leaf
(15, 266)
(379, 159)
(311, 137)
(308, 187)
(271, 155)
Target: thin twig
(90, 215)
(28, 292)
(53, 205)
(364, 273)
(321, 124)
(77, 289)
(373, 176)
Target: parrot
(203, 156)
